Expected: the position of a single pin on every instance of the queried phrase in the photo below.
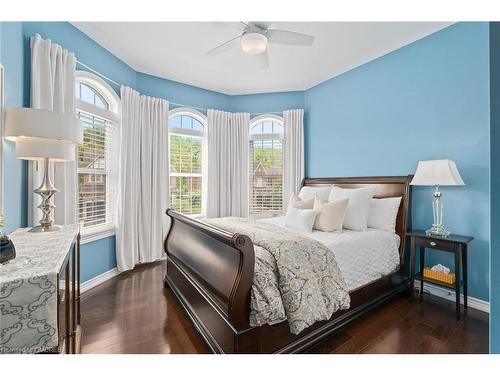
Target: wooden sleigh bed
(210, 271)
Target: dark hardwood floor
(133, 313)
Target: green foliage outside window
(267, 168)
(185, 174)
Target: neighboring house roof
(261, 170)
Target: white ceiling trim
(177, 51)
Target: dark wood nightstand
(454, 244)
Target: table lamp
(47, 136)
(437, 173)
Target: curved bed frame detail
(210, 271)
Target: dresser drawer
(432, 243)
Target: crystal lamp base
(437, 231)
(437, 228)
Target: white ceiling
(177, 51)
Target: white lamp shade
(37, 123)
(437, 172)
(43, 134)
(36, 149)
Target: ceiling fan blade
(262, 25)
(263, 59)
(224, 47)
(289, 37)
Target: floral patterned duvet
(296, 277)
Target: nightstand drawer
(433, 243)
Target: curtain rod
(173, 103)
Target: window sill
(98, 233)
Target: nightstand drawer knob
(433, 243)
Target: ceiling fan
(254, 39)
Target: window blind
(94, 207)
(186, 174)
(266, 177)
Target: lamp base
(437, 231)
(437, 228)
(46, 191)
(43, 229)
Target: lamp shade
(437, 172)
(43, 134)
(38, 149)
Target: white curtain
(143, 179)
(293, 170)
(227, 175)
(53, 89)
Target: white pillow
(308, 192)
(331, 215)
(383, 213)
(356, 217)
(303, 220)
(300, 203)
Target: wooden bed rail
(221, 262)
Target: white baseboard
(99, 279)
(474, 303)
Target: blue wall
(15, 177)
(273, 102)
(428, 100)
(495, 187)
(99, 256)
(181, 93)
(191, 95)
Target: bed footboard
(211, 272)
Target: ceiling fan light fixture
(253, 43)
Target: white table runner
(28, 290)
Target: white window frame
(263, 137)
(112, 115)
(192, 133)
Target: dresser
(40, 293)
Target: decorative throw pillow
(302, 220)
(308, 192)
(301, 203)
(358, 209)
(383, 213)
(331, 215)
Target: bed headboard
(386, 187)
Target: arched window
(187, 133)
(266, 165)
(97, 107)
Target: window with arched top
(90, 95)
(266, 166)
(97, 107)
(187, 148)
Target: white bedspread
(362, 256)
